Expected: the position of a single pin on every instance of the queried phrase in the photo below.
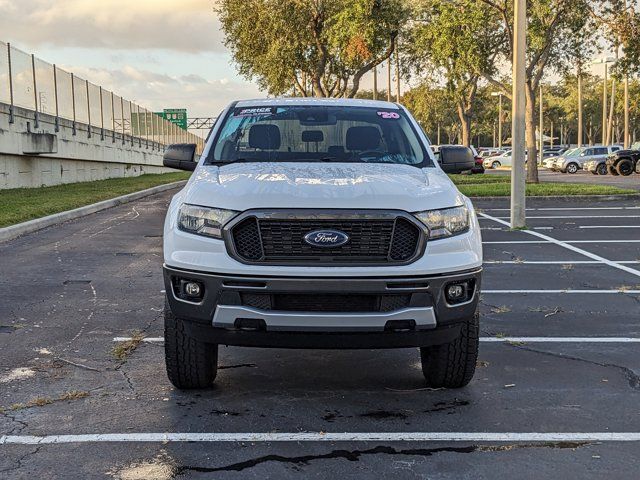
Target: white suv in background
(575, 159)
(319, 223)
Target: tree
(433, 108)
(330, 44)
(550, 24)
(455, 42)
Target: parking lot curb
(14, 231)
(630, 196)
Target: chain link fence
(36, 85)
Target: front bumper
(222, 315)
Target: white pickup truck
(319, 223)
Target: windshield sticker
(389, 115)
(243, 112)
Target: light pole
(397, 73)
(518, 185)
(541, 129)
(605, 61)
(389, 79)
(579, 74)
(375, 82)
(626, 111)
(499, 95)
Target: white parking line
(569, 291)
(557, 262)
(565, 241)
(176, 437)
(515, 241)
(561, 208)
(485, 339)
(609, 226)
(575, 216)
(561, 339)
(570, 247)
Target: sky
(157, 53)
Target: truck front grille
(389, 240)
(304, 302)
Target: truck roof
(288, 101)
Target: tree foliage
(454, 42)
(330, 44)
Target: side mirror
(181, 156)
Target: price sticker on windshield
(389, 115)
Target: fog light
(459, 292)
(455, 292)
(192, 289)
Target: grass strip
(19, 205)
(541, 189)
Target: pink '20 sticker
(389, 115)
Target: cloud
(200, 96)
(179, 25)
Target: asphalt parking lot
(556, 392)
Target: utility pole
(626, 111)
(389, 79)
(375, 82)
(551, 133)
(579, 104)
(438, 133)
(626, 100)
(518, 185)
(494, 135)
(604, 107)
(541, 129)
(500, 121)
(611, 109)
(499, 95)
(397, 73)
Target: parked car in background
(491, 152)
(478, 167)
(553, 163)
(502, 160)
(574, 162)
(554, 151)
(624, 162)
(596, 166)
(455, 158)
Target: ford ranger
(319, 223)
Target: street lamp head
(603, 60)
(496, 94)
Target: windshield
(318, 134)
(635, 146)
(574, 152)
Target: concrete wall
(34, 156)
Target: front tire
(625, 167)
(572, 168)
(452, 365)
(190, 363)
(495, 164)
(602, 169)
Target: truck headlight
(446, 222)
(203, 220)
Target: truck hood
(243, 186)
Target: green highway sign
(177, 116)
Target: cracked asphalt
(67, 291)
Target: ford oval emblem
(326, 238)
